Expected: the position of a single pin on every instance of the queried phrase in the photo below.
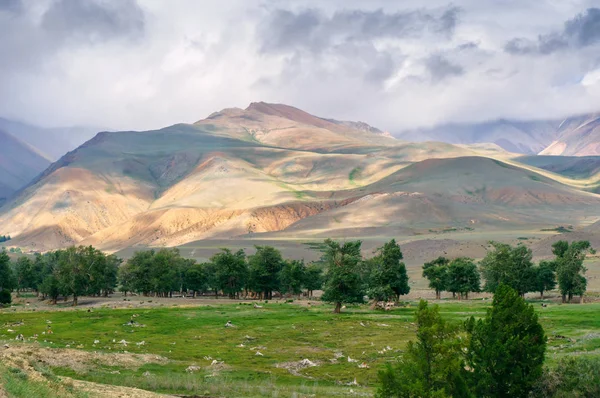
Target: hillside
(19, 164)
(274, 170)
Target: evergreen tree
(507, 347)
(344, 282)
(433, 366)
(436, 272)
(7, 280)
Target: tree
(292, 277)
(545, 279)
(74, 272)
(231, 271)
(24, 274)
(195, 277)
(463, 277)
(569, 267)
(508, 265)
(126, 277)
(264, 267)
(388, 278)
(507, 348)
(343, 283)
(7, 281)
(433, 366)
(141, 264)
(436, 272)
(313, 278)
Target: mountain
(527, 137)
(577, 136)
(573, 136)
(274, 170)
(19, 164)
(51, 142)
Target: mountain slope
(19, 164)
(274, 169)
(528, 137)
(577, 136)
(51, 142)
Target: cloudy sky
(142, 64)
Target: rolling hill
(577, 136)
(19, 164)
(275, 171)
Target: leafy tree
(344, 282)
(165, 274)
(545, 278)
(141, 264)
(569, 267)
(508, 265)
(74, 272)
(49, 283)
(126, 277)
(7, 280)
(507, 348)
(388, 278)
(436, 272)
(264, 267)
(195, 278)
(433, 366)
(212, 281)
(463, 277)
(24, 274)
(231, 271)
(292, 277)
(313, 278)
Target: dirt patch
(78, 360)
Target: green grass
(18, 384)
(282, 332)
(354, 175)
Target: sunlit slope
(273, 170)
(461, 193)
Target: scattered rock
(193, 368)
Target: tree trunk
(437, 294)
(581, 299)
(453, 295)
(542, 295)
(564, 298)
(74, 301)
(338, 308)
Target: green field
(284, 333)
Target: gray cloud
(13, 6)
(313, 30)
(579, 32)
(94, 20)
(440, 68)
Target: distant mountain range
(273, 170)
(26, 151)
(573, 136)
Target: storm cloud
(142, 64)
(578, 32)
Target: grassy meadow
(262, 355)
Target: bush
(573, 377)
(5, 297)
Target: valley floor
(182, 347)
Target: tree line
(343, 274)
(513, 266)
(4, 238)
